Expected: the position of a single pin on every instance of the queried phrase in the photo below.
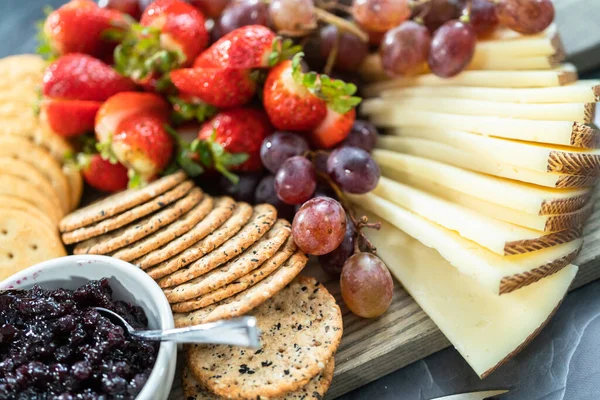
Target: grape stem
(341, 23)
(332, 56)
(420, 18)
(333, 5)
(466, 13)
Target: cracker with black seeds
(167, 233)
(223, 209)
(137, 230)
(263, 217)
(249, 260)
(243, 302)
(119, 202)
(314, 390)
(241, 215)
(241, 283)
(126, 217)
(301, 329)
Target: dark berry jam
(54, 346)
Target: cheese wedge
(544, 223)
(562, 75)
(487, 330)
(580, 112)
(563, 133)
(582, 91)
(520, 196)
(497, 236)
(534, 156)
(480, 162)
(497, 274)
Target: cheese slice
(481, 162)
(520, 196)
(487, 330)
(545, 223)
(580, 112)
(502, 33)
(497, 274)
(539, 157)
(497, 236)
(582, 91)
(547, 45)
(563, 133)
(562, 75)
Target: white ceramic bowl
(129, 284)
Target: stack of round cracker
(37, 186)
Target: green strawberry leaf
(188, 111)
(283, 49)
(135, 179)
(44, 48)
(106, 151)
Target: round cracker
(263, 217)
(239, 218)
(117, 203)
(223, 209)
(15, 186)
(128, 234)
(22, 65)
(18, 119)
(314, 390)
(29, 173)
(23, 149)
(16, 203)
(25, 241)
(249, 260)
(301, 330)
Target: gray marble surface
(562, 363)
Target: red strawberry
(239, 130)
(171, 34)
(124, 104)
(70, 117)
(218, 87)
(333, 129)
(79, 27)
(103, 175)
(251, 46)
(142, 144)
(81, 77)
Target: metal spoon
(236, 332)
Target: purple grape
(353, 169)
(363, 135)
(296, 180)
(333, 262)
(279, 147)
(265, 193)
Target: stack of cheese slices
(487, 183)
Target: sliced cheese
(580, 112)
(582, 91)
(536, 156)
(481, 161)
(563, 133)
(520, 196)
(502, 33)
(545, 223)
(486, 330)
(523, 47)
(495, 273)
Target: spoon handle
(236, 332)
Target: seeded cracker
(222, 211)
(130, 233)
(240, 216)
(301, 330)
(119, 202)
(262, 219)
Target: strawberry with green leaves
(170, 35)
(102, 174)
(80, 26)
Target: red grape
(293, 17)
(296, 180)
(333, 262)
(380, 15)
(525, 16)
(351, 50)
(438, 12)
(366, 285)
(265, 193)
(241, 13)
(363, 135)
(319, 226)
(353, 169)
(405, 48)
(280, 146)
(210, 8)
(131, 7)
(452, 48)
(483, 17)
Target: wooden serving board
(371, 349)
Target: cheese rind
(497, 236)
(497, 274)
(487, 330)
(519, 196)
